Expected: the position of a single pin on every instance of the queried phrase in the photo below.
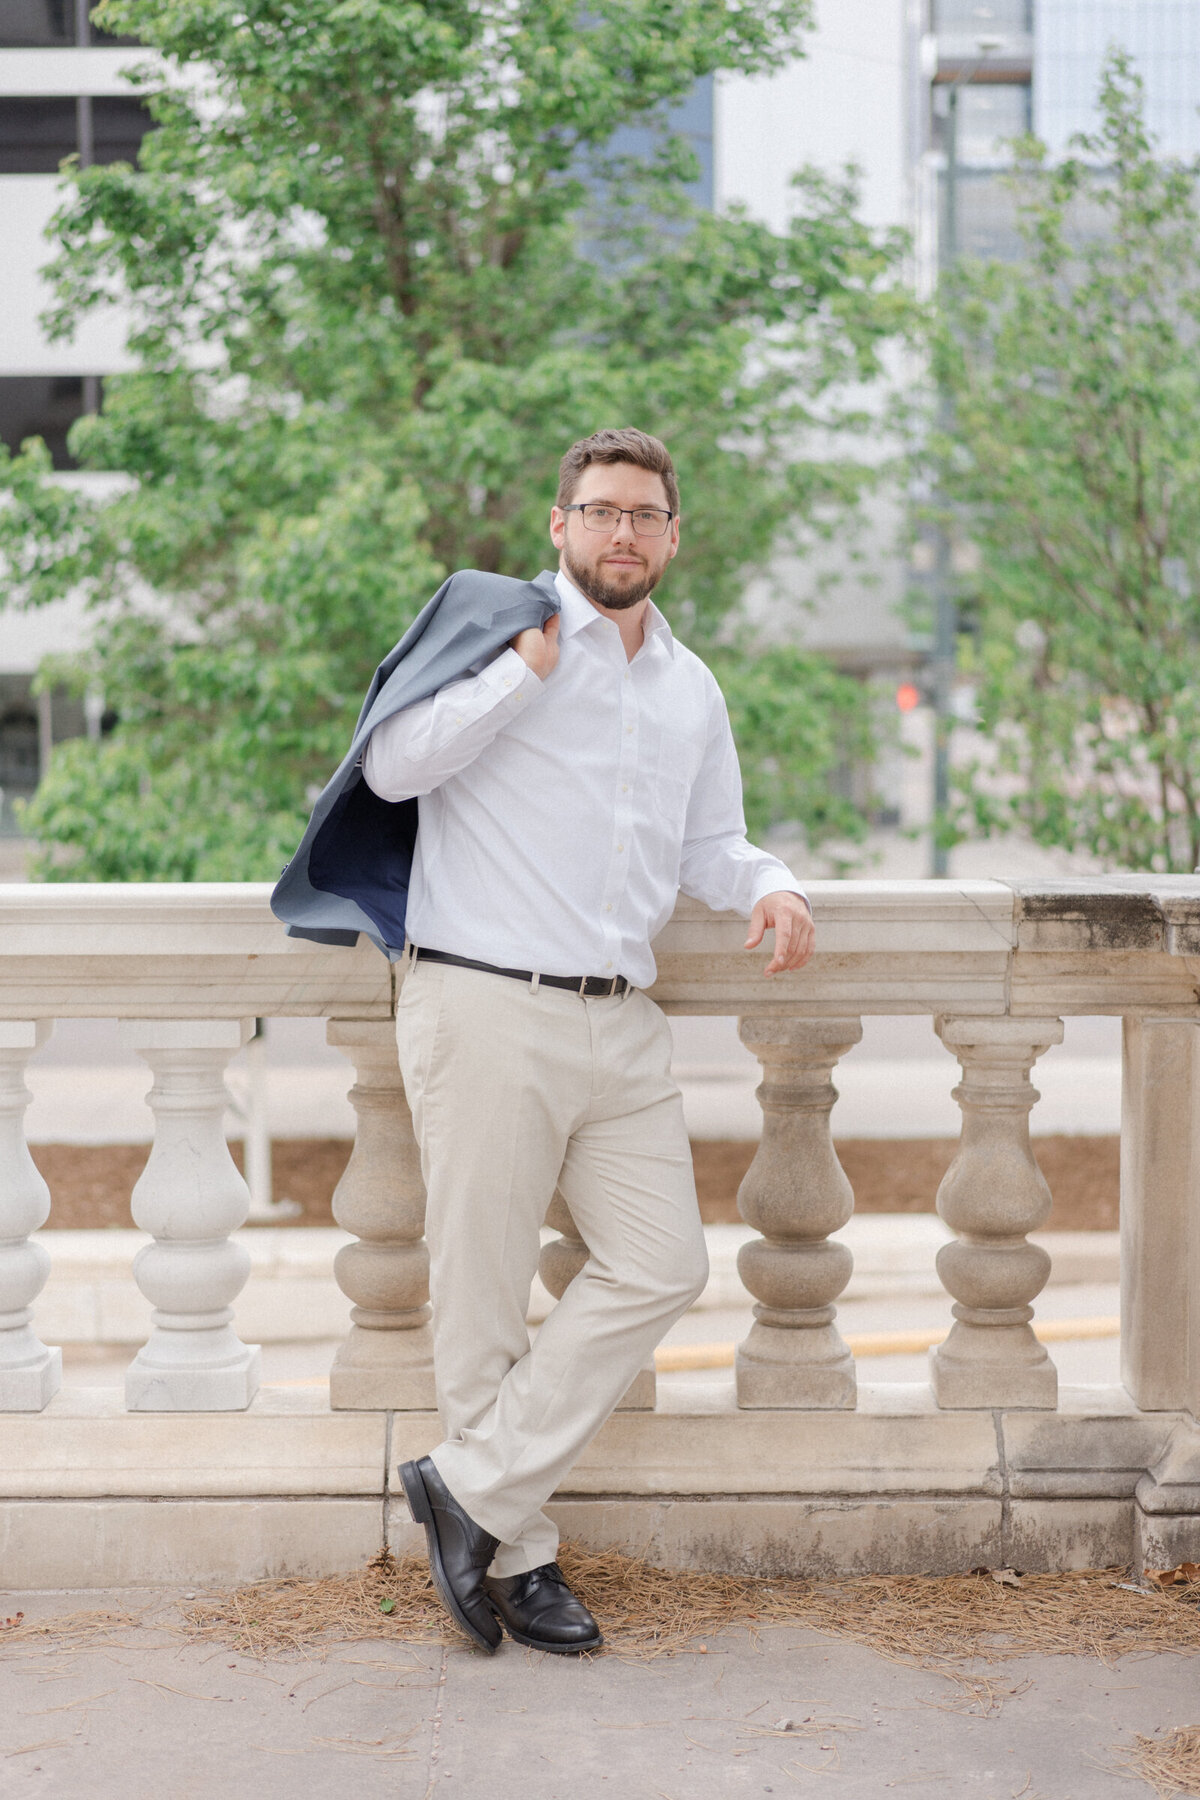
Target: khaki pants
(512, 1093)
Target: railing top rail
(1125, 943)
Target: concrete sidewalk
(787, 1713)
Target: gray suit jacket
(352, 868)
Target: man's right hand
(539, 648)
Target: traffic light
(908, 697)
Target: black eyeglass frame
(581, 506)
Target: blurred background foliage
(383, 271)
(1066, 451)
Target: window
(977, 210)
(985, 217)
(45, 406)
(20, 748)
(990, 114)
(690, 118)
(30, 725)
(34, 24)
(981, 16)
(118, 127)
(47, 25)
(35, 135)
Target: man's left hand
(795, 936)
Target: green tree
(382, 271)
(1070, 455)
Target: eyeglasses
(598, 515)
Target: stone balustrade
(792, 1464)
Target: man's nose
(623, 532)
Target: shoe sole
(422, 1513)
(530, 1643)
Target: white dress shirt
(559, 818)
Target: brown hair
(626, 445)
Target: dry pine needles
(933, 1622)
(646, 1612)
(1170, 1764)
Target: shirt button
(624, 784)
(608, 965)
(629, 731)
(620, 846)
(608, 906)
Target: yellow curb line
(676, 1358)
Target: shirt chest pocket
(674, 773)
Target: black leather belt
(590, 987)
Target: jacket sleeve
(423, 745)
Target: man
(567, 789)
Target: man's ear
(558, 527)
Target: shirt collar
(578, 612)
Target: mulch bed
(948, 1625)
(91, 1183)
(932, 1622)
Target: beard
(606, 593)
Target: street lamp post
(945, 628)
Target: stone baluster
(191, 1197)
(560, 1262)
(796, 1192)
(30, 1372)
(386, 1360)
(991, 1195)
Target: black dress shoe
(539, 1609)
(459, 1551)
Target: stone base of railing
(94, 1496)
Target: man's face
(614, 568)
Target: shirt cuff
(511, 678)
(778, 881)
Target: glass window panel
(45, 24)
(36, 24)
(988, 115)
(118, 127)
(691, 118)
(18, 750)
(986, 222)
(44, 406)
(35, 135)
(961, 16)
